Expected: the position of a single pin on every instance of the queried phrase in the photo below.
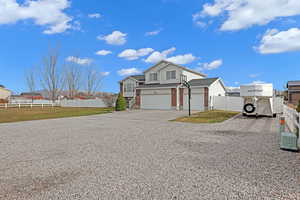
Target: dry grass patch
(214, 116)
(28, 114)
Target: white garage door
(197, 101)
(156, 99)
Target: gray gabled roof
(205, 82)
(138, 77)
(167, 85)
(170, 63)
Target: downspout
(178, 98)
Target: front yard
(141, 155)
(214, 116)
(28, 114)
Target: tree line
(55, 77)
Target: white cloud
(115, 38)
(158, 56)
(201, 24)
(278, 42)
(129, 71)
(95, 15)
(153, 33)
(212, 65)
(49, 13)
(132, 54)
(246, 13)
(182, 59)
(257, 82)
(254, 75)
(103, 52)
(79, 61)
(105, 73)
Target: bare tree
(93, 81)
(72, 79)
(30, 81)
(51, 79)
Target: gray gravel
(141, 155)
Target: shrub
(298, 108)
(121, 103)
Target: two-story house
(160, 87)
(293, 92)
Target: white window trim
(171, 73)
(152, 75)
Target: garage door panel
(197, 100)
(159, 102)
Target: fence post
(282, 124)
(42, 105)
(19, 106)
(31, 106)
(6, 106)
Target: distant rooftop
(294, 83)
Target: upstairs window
(171, 75)
(129, 87)
(153, 77)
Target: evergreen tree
(121, 103)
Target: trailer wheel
(249, 108)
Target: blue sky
(241, 41)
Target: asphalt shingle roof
(158, 85)
(203, 82)
(294, 83)
(139, 77)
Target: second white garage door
(156, 99)
(197, 101)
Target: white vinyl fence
(29, 101)
(292, 119)
(25, 105)
(227, 103)
(90, 103)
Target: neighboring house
(293, 92)
(4, 93)
(161, 88)
(32, 95)
(233, 91)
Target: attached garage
(197, 100)
(159, 99)
(174, 96)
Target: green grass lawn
(28, 114)
(214, 116)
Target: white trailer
(258, 100)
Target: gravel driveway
(141, 155)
